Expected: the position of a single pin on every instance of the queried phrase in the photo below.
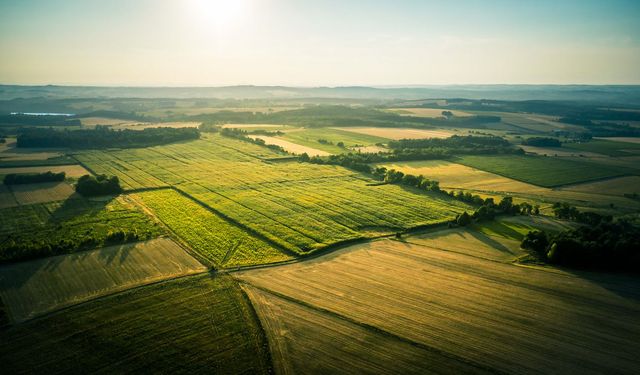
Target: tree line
(542, 142)
(104, 137)
(32, 178)
(90, 186)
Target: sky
(318, 43)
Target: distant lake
(43, 114)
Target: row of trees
(15, 179)
(608, 245)
(103, 137)
(91, 186)
(244, 136)
(542, 142)
(568, 212)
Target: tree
(463, 219)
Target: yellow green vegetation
(62, 227)
(34, 287)
(486, 314)
(328, 139)
(199, 324)
(217, 241)
(298, 207)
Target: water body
(43, 114)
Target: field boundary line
(372, 328)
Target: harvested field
(557, 151)
(145, 125)
(494, 315)
(400, 133)
(290, 146)
(193, 325)
(428, 112)
(42, 192)
(35, 287)
(622, 139)
(452, 175)
(299, 336)
(70, 170)
(93, 121)
(614, 186)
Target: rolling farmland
(541, 171)
(298, 207)
(487, 314)
(190, 325)
(35, 287)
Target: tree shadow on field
(490, 242)
(625, 285)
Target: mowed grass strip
(35, 287)
(513, 319)
(541, 171)
(192, 325)
(219, 242)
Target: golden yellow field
(35, 287)
(428, 112)
(291, 147)
(303, 340)
(399, 133)
(485, 314)
(614, 186)
(70, 170)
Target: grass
(309, 137)
(610, 148)
(482, 313)
(75, 224)
(299, 207)
(35, 287)
(199, 324)
(541, 171)
(214, 239)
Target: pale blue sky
(220, 42)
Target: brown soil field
(614, 186)
(428, 112)
(299, 335)
(500, 316)
(291, 147)
(399, 133)
(74, 171)
(42, 192)
(35, 287)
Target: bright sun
(218, 15)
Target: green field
(611, 148)
(214, 239)
(199, 324)
(309, 137)
(52, 228)
(541, 171)
(299, 207)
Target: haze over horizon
(307, 43)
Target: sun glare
(218, 15)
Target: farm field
(73, 171)
(614, 186)
(428, 112)
(44, 229)
(191, 325)
(309, 137)
(299, 336)
(42, 192)
(559, 151)
(489, 314)
(399, 133)
(31, 288)
(300, 207)
(218, 242)
(604, 147)
(292, 147)
(6, 197)
(622, 139)
(249, 127)
(541, 171)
